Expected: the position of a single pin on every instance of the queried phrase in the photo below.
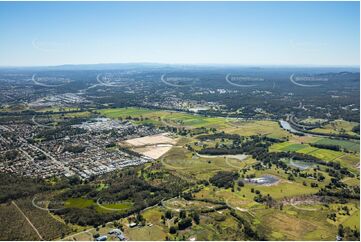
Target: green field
(259, 127)
(78, 203)
(191, 166)
(292, 147)
(344, 144)
(347, 160)
(86, 203)
(187, 120)
(323, 154)
(337, 127)
(313, 120)
(213, 226)
(125, 112)
(287, 146)
(295, 224)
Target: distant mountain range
(123, 66)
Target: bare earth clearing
(153, 146)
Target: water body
(265, 180)
(286, 125)
(299, 164)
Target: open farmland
(257, 127)
(125, 112)
(352, 146)
(348, 160)
(337, 127)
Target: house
(118, 233)
(102, 238)
(131, 225)
(121, 236)
(114, 231)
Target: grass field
(146, 233)
(213, 225)
(347, 160)
(294, 224)
(302, 222)
(351, 181)
(104, 208)
(262, 127)
(125, 112)
(348, 145)
(78, 203)
(56, 109)
(313, 120)
(337, 127)
(353, 221)
(186, 120)
(157, 117)
(191, 166)
(287, 224)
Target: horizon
(44, 34)
(188, 64)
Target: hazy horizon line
(188, 64)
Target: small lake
(264, 180)
(286, 125)
(300, 164)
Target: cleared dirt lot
(162, 138)
(153, 146)
(154, 151)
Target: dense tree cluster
(326, 146)
(125, 185)
(224, 179)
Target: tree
(172, 230)
(224, 179)
(341, 231)
(196, 217)
(168, 214)
(184, 223)
(182, 214)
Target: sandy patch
(152, 140)
(153, 146)
(154, 151)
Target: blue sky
(246, 33)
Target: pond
(264, 180)
(300, 164)
(287, 126)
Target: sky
(244, 33)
